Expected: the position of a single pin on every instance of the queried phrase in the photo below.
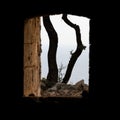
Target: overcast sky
(66, 43)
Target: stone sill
(55, 100)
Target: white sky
(66, 43)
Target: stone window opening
(32, 59)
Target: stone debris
(65, 90)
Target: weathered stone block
(30, 55)
(32, 69)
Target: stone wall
(32, 50)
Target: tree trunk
(77, 53)
(52, 76)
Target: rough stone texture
(64, 90)
(32, 44)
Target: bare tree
(52, 76)
(77, 53)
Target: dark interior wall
(31, 10)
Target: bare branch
(77, 53)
